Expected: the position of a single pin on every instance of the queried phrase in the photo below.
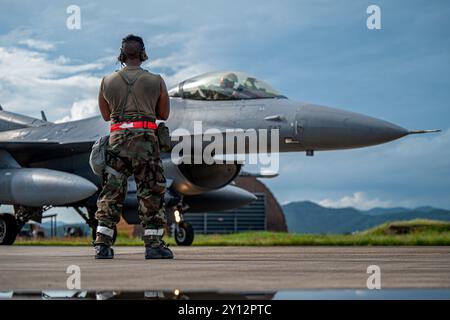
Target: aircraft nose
(371, 131)
(327, 129)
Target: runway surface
(226, 268)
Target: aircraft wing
(25, 151)
(8, 145)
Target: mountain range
(309, 217)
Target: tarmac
(226, 268)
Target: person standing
(133, 99)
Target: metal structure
(53, 224)
(251, 217)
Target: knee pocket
(160, 179)
(151, 180)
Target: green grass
(404, 233)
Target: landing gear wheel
(8, 229)
(94, 232)
(184, 234)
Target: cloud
(188, 56)
(357, 200)
(180, 69)
(81, 109)
(37, 44)
(162, 40)
(184, 48)
(32, 81)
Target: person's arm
(103, 105)
(163, 106)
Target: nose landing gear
(182, 230)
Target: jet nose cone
(372, 131)
(325, 128)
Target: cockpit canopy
(224, 86)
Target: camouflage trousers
(132, 152)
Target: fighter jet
(45, 165)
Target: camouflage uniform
(132, 152)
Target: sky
(311, 51)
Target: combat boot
(103, 242)
(103, 251)
(158, 250)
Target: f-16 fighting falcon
(45, 165)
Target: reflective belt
(133, 125)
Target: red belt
(133, 125)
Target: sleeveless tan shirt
(146, 89)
